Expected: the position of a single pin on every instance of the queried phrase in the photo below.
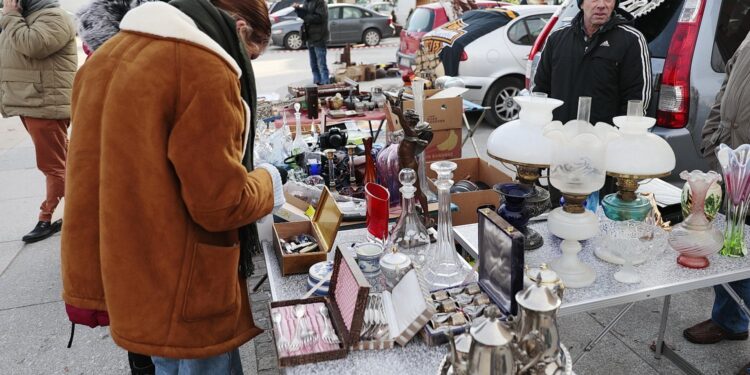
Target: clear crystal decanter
(444, 267)
(409, 235)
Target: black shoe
(42, 230)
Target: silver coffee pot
(538, 305)
(495, 349)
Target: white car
(493, 66)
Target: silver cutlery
(282, 343)
(328, 335)
(307, 335)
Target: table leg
(737, 298)
(661, 349)
(377, 134)
(662, 328)
(606, 330)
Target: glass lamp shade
(578, 164)
(637, 152)
(522, 141)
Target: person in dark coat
(314, 13)
(601, 55)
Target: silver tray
(446, 368)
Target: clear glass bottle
(444, 267)
(409, 235)
(300, 145)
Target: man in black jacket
(598, 55)
(314, 13)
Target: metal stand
(472, 130)
(592, 343)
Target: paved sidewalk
(34, 329)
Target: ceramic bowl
(368, 257)
(394, 267)
(320, 271)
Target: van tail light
(464, 56)
(539, 42)
(390, 20)
(674, 95)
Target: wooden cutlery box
(407, 310)
(345, 302)
(324, 226)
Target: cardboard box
(472, 169)
(324, 226)
(445, 115)
(345, 302)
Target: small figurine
(417, 136)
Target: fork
(327, 336)
(282, 342)
(307, 334)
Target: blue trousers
(726, 313)
(318, 65)
(223, 364)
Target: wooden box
(324, 226)
(408, 310)
(345, 303)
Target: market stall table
(323, 115)
(413, 359)
(661, 276)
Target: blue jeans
(319, 65)
(726, 313)
(223, 364)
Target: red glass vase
(377, 199)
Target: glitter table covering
(415, 358)
(660, 274)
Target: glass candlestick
(444, 267)
(410, 235)
(331, 169)
(352, 175)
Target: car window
(525, 31)
(349, 12)
(420, 20)
(657, 32)
(334, 13)
(731, 29)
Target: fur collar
(163, 20)
(99, 20)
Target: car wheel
(371, 37)
(500, 100)
(293, 40)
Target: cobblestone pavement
(265, 353)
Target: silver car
(690, 42)
(346, 24)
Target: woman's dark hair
(255, 13)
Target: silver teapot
(538, 305)
(495, 349)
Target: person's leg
(320, 52)
(314, 64)
(50, 139)
(223, 364)
(726, 313)
(140, 364)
